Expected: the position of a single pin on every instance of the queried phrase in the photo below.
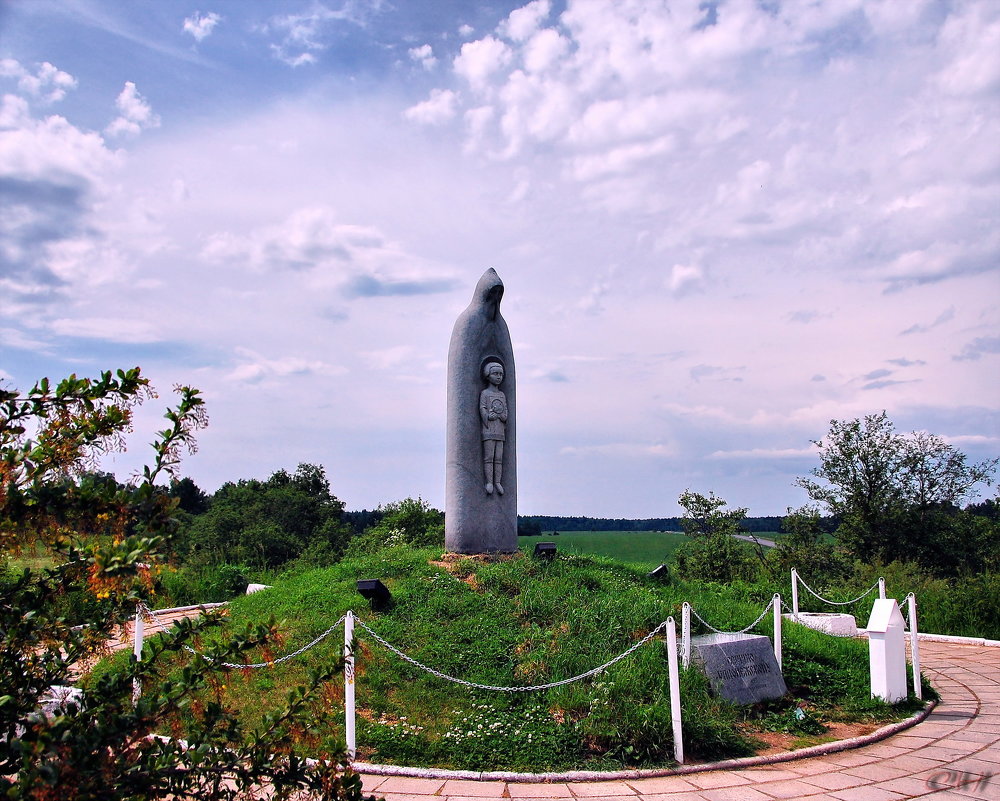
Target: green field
(647, 548)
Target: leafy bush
(718, 558)
(411, 521)
(200, 584)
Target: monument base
(740, 667)
(840, 625)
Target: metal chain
(836, 603)
(476, 686)
(741, 631)
(147, 612)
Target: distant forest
(534, 525)
(528, 525)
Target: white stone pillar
(795, 593)
(675, 691)
(887, 651)
(138, 635)
(349, 704)
(776, 601)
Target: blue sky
(720, 226)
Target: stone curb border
(648, 773)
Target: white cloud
(328, 254)
(200, 26)
(544, 50)
(49, 83)
(525, 21)
(388, 358)
(626, 450)
(478, 61)
(135, 113)
(254, 368)
(423, 55)
(304, 34)
(110, 329)
(759, 454)
(438, 108)
(971, 41)
(685, 278)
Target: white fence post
(138, 633)
(686, 634)
(776, 601)
(795, 594)
(675, 691)
(881, 588)
(911, 601)
(349, 719)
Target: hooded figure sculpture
(481, 477)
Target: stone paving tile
(735, 794)
(712, 779)
(541, 797)
(369, 782)
(834, 781)
(978, 767)
(402, 797)
(473, 788)
(661, 785)
(866, 794)
(916, 761)
(878, 772)
(767, 774)
(950, 752)
(405, 785)
(683, 796)
(911, 741)
(538, 790)
(789, 788)
(851, 759)
(601, 789)
(907, 785)
(886, 751)
(981, 791)
(444, 796)
(817, 765)
(974, 736)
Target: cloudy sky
(720, 225)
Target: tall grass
(521, 621)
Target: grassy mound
(520, 621)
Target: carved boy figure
(493, 412)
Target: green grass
(645, 548)
(521, 622)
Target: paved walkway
(953, 754)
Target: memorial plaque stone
(740, 667)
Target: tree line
(536, 524)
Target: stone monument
(740, 667)
(481, 475)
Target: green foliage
(411, 521)
(805, 546)
(264, 524)
(199, 584)
(713, 554)
(106, 540)
(899, 495)
(513, 621)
